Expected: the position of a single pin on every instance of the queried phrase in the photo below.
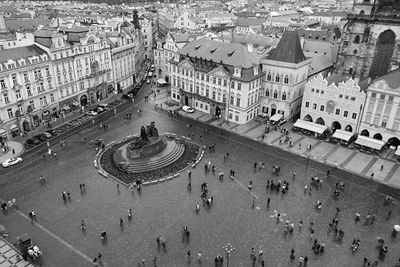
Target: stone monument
(147, 144)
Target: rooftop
(288, 49)
(25, 24)
(247, 22)
(20, 52)
(336, 79)
(229, 53)
(392, 78)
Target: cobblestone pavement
(163, 209)
(10, 257)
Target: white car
(188, 109)
(91, 113)
(11, 161)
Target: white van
(150, 74)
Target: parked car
(91, 113)
(54, 132)
(43, 136)
(148, 81)
(188, 109)
(11, 161)
(47, 134)
(31, 142)
(103, 106)
(40, 137)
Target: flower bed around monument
(107, 163)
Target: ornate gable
(186, 64)
(219, 72)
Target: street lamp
(228, 249)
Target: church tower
(370, 44)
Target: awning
(66, 108)
(276, 117)
(397, 153)
(310, 126)
(13, 127)
(161, 81)
(76, 104)
(2, 132)
(370, 142)
(342, 135)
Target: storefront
(36, 120)
(3, 134)
(14, 130)
(46, 116)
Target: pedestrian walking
(188, 255)
(382, 167)
(253, 203)
(118, 187)
(121, 222)
(83, 225)
(13, 151)
(268, 201)
(294, 176)
(292, 254)
(199, 256)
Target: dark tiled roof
(229, 53)
(20, 52)
(43, 41)
(8, 9)
(25, 24)
(288, 49)
(336, 79)
(247, 22)
(392, 78)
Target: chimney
(302, 42)
(3, 27)
(250, 47)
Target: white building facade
(381, 117)
(286, 71)
(334, 102)
(28, 90)
(220, 79)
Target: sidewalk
(9, 257)
(17, 143)
(368, 165)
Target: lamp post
(228, 249)
(308, 160)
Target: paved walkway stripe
(391, 172)
(369, 165)
(314, 146)
(251, 128)
(324, 158)
(65, 243)
(242, 185)
(348, 159)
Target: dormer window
(255, 70)
(237, 72)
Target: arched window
(275, 94)
(286, 80)
(355, 52)
(357, 39)
(268, 76)
(277, 78)
(284, 96)
(267, 92)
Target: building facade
(28, 90)
(81, 65)
(220, 79)
(286, 71)
(371, 39)
(334, 101)
(381, 116)
(124, 55)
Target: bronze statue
(143, 134)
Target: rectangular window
(239, 86)
(354, 116)
(3, 84)
(28, 91)
(314, 106)
(225, 83)
(202, 76)
(232, 100)
(346, 97)
(207, 92)
(236, 117)
(383, 97)
(207, 78)
(337, 111)
(52, 97)
(232, 84)
(322, 108)
(6, 99)
(345, 113)
(373, 95)
(238, 102)
(352, 98)
(82, 86)
(219, 81)
(26, 79)
(18, 94)
(214, 80)
(307, 104)
(390, 99)
(10, 113)
(197, 75)
(213, 95)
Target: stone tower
(371, 39)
